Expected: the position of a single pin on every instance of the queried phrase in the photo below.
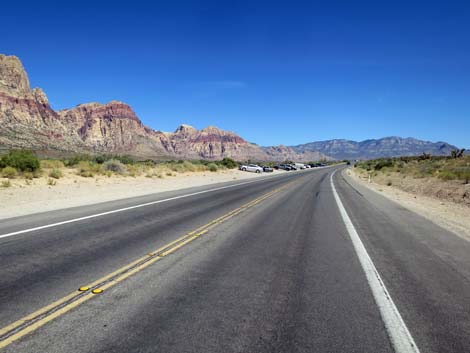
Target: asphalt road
(283, 275)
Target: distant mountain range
(392, 146)
(28, 121)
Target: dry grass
(86, 169)
(438, 177)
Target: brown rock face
(112, 128)
(212, 143)
(13, 78)
(28, 121)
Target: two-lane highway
(274, 268)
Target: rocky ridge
(392, 146)
(28, 121)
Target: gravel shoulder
(452, 216)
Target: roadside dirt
(72, 190)
(437, 203)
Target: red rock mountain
(28, 121)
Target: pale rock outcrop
(28, 121)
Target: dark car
(284, 167)
(267, 169)
(293, 167)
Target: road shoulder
(448, 215)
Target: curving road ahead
(303, 262)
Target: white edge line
(119, 210)
(397, 330)
(29, 230)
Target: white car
(251, 168)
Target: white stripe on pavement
(125, 209)
(399, 334)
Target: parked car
(292, 167)
(284, 167)
(299, 165)
(251, 168)
(267, 169)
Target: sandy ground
(452, 216)
(21, 199)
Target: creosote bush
(113, 165)
(22, 160)
(228, 163)
(9, 172)
(212, 167)
(55, 173)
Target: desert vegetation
(25, 165)
(443, 177)
(454, 167)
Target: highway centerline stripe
(40, 317)
(29, 230)
(397, 330)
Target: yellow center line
(38, 318)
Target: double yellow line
(48, 313)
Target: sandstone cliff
(28, 121)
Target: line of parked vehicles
(255, 168)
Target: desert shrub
(175, 167)
(134, 170)
(6, 184)
(100, 159)
(125, 159)
(113, 165)
(188, 166)
(88, 169)
(465, 176)
(447, 175)
(463, 173)
(28, 175)
(228, 163)
(86, 174)
(389, 183)
(212, 167)
(22, 160)
(51, 182)
(383, 163)
(169, 174)
(75, 160)
(9, 172)
(55, 173)
(51, 164)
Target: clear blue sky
(275, 72)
